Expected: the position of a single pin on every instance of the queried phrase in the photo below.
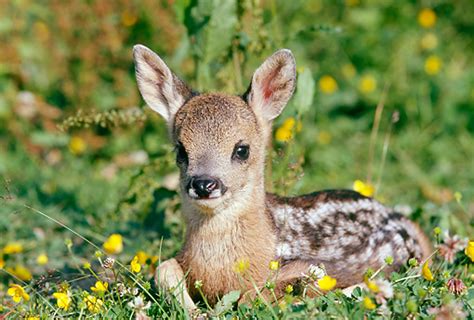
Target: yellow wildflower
(470, 250)
(42, 259)
(241, 266)
(365, 189)
(135, 265)
(367, 84)
(348, 71)
(2, 263)
(12, 248)
(274, 265)
(327, 84)
(432, 65)
(426, 272)
(21, 272)
(129, 18)
(285, 132)
(327, 283)
(429, 41)
(114, 244)
(18, 293)
(369, 304)
(63, 300)
(371, 285)
(142, 257)
(93, 304)
(86, 265)
(289, 289)
(427, 18)
(154, 259)
(33, 318)
(100, 287)
(77, 145)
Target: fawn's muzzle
(205, 187)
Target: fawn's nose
(204, 187)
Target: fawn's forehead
(214, 118)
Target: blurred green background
(77, 142)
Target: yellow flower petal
(100, 287)
(369, 304)
(327, 283)
(426, 272)
(21, 272)
(94, 305)
(365, 189)
(327, 84)
(241, 266)
(63, 300)
(77, 145)
(427, 18)
(17, 293)
(371, 285)
(114, 244)
(12, 248)
(470, 250)
(283, 134)
(135, 265)
(433, 65)
(274, 265)
(42, 259)
(142, 257)
(367, 84)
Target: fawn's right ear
(162, 90)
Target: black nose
(204, 185)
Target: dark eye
(181, 155)
(241, 152)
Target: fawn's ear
(272, 85)
(162, 90)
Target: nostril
(209, 185)
(204, 185)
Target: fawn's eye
(181, 155)
(241, 152)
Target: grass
(111, 170)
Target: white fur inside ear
(160, 89)
(273, 84)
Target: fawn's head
(220, 139)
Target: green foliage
(111, 169)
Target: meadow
(89, 200)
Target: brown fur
(341, 229)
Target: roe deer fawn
(220, 150)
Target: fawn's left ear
(272, 85)
(162, 90)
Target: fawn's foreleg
(170, 276)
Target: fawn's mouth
(215, 194)
(204, 187)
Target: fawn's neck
(215, 244)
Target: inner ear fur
(161, 89)
(273, 84)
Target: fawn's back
(220, 150)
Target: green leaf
(305, 91)
(221, 28)
(226, 302)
